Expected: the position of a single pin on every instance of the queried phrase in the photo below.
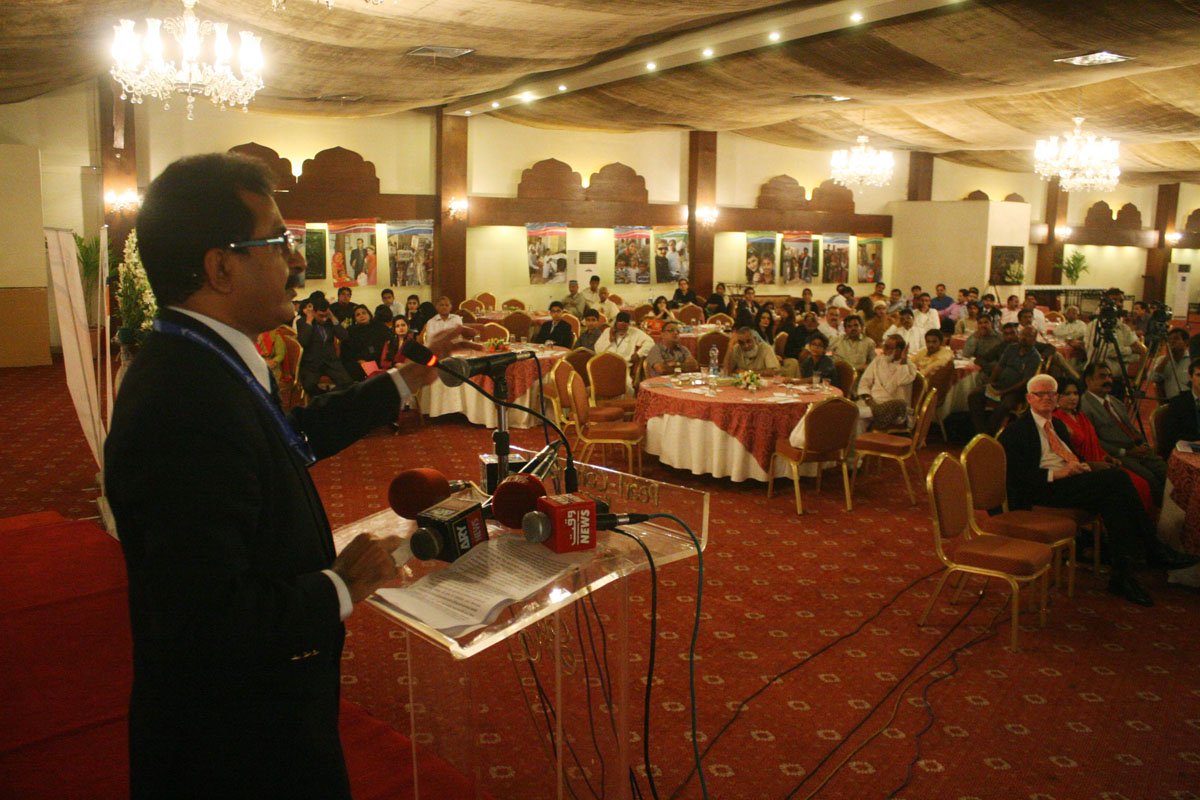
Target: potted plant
(135, 304)
(1073, 266)
(87, 253)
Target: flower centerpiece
(135, 300)
(495, 346)
(749, 380)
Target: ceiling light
(1094, 59)
(839, 98)
(158, 76)
(495, 104)
(856, 17)
(651, 66)
(1081, 162)
(467, 112)
(562, 87)
(862, 165)
(773, 36)
(707, 52)
(527, 96)
(1062, 231)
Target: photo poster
(800, 261)
(1008, 266)
(870, 259)
(547, 243)
(354, 253)
(631, 263)
(671, 243)
(410, 252)
(760, 257)
(835, 257)
(314, 253)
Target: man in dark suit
(1182, 419)
(1044, 471)
(556, 330)
(317, 334)
(236, 597)
(1115, 431)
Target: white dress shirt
(885, 379)
(926, 320)
(437, 325)
(914, 337)
(634, 340)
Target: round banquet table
(730, 434)
(436, 398)
(957, 342)
(966, 378)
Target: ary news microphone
(448, 529)
(568, 523)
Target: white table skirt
(702, 448)
(959, 390)
(437, 399)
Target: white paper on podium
(469, 593)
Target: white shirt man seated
(1072, 328)
(624, 339)
(831, 326)
(885, 387)
(914, 337)
(444, 320)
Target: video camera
(1108, 313)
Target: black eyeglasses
(285, 241)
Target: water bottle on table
(714, 358)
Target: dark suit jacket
(236, 636)
(318, 354)
(1178, 424)
(1028, 483)
(560, 334)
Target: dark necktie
(1125, 428)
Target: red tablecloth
(498, 316)
(1183, 470)
(744, 415)
(520, 374)
(958, 341)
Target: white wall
(1189, 201)
(945, 242)
(401, 146)
(1122, 267)
(745, 164)
(1144, 197)
(955, 181)
(498, 152)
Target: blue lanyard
(297, 441)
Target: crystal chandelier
(1081, 162)
(862, 165)
(143, 69)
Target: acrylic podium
(536, 703)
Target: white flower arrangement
(135, 299)
(749, 380)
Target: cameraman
(1170, 373)
(1108, 333)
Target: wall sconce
(457, 209)
(128, 200)
(1173, 238)
(1062, 231)
(706, 215)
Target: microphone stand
(500, 437)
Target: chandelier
(143, 69)
(862, 165)
(1081, 162)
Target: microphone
(414, 490)
(455, 370)
(418, 353)
(515, 496)
(568, 523)
(448, 529)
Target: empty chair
(707, 342)
(578, 359)
(467, 316)
(829, 428)
(471, 304)
(592, 432)
(690, 314)
(641, 311)
(720, 319)
(561, 375)
(780, 343)
(494, 330)
(573, 321)
(487, 299)
(513, 304)
(616, 298)
(942, 379)
(846, 375)
(518, 324)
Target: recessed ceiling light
(527, 96)
(435, 51)
(1093, 59)
(773, 36)
(856, 17)
(707, 52)
(495, 104)
(562, 87)
(467, 113)
(650, 65)
(839, 98)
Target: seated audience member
(591, 330)
(852, 347)
(806, 303)
(986, 345)
(965, 325)
(364, 342)
(1039, 318)
(1011, 306)
(896, 302)
(1117, 434)
(574, 302)
(660, 310)
(717, 303)
(914, 337)
(683, 295)
(556, 330)
(591, 295)
(607, 307)
(624, 339)
(747, 310)
(391, 355)
(879, 293)
(925, 318)
(1170, 371)
(669, 356)
(301, 307)
(271, 347)
(1005, 385)
(885, 386)
(387, 298)
(814, 361)
(787, 319)
(1128, 346)
(1044, 471)
(442, 321)
(1072, 329)
(343, 309)
(877, 324)
(746, 352)
(988, 308)
(941, 300)
(799, 335)
(317, 334)
(951, 314)
(1083, 438)
(412, 309)
(934, 355)
(1181, 423)
(764, 326)
(831, 326)
(844, 298)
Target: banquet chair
(561, 376)
(962, 549)
(847, 374)
(616, 299)
(901, 449)
(513, 304)
(518, 324)
(706, 342)
(467, 316)
(591, 432)
(918, 393)
(578, 359)
(720, 319)
(476, 328)
(986, 465)
(608, 380)
(941, 380)
(1054, 316)
(1156, 417)
(470, 304)
(290, 391)
(829, 428)
(573, 321)
(781, 343)
(487, 299)
(494, 330)
(690, 314)
(641, 312)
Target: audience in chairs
(1182, 419)
(556, 330)
(317, 334)
(886, 385)
(934, 355)
(669, 356)
(1005, 385)
(592, 328)
(1117, 434)
(852, 347)
(442, 321)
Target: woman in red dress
(1085, 442)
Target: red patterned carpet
(812, 673)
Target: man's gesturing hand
(366, 564)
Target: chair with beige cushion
(986, 465)
(901, 449)
(592, 432)
(962, 548)
(829, 428)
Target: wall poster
(671, 243)
(800, 262)
(836, 257)
(410, 252)
(631, 244)
(547, 246)
(760, 257)
(870, 260)
(354, 252)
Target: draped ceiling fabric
(974, 82)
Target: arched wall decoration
(338, 170)
(1129, 218)
(1014, 198)
(782, 192)
(619, 183)
(280, 167)
(1193, 222)
(1102, 227)
(1099, 216)
(830, 196)
(978, 194)
(551, 179)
